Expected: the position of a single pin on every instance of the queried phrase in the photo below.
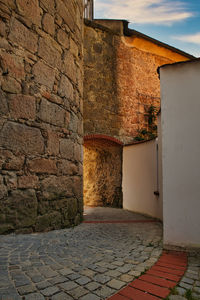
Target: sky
(175, 22)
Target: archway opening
(102, 171)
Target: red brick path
(155, 284)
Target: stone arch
(102, 175)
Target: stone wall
(40, 114)
(101, 104)
(121, 80)
(102, 173)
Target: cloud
(143, 11)
(192, 38)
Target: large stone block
(48, 221)
(78, 187)
(66, 167)
(12, 65)
(30, 10)
(44, 74)
(65, 13)
(54, 187)
(21, 139)
(21, 208)
(63, 38)
(42, 166)
(3, 188)
(52, 147)
(70, 211)
(50, 51)
(28, 182)
(22, 36)
(69, 67)
(51, 113)
(66, 88)
(3, 104)
(48, 5)
(9, 3)
(67, 148)
(8, 161)
(48, 24)
(22, 106)
(10, 85)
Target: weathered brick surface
(40, 114)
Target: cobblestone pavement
(90, 261)
(189, 286)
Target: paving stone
(26, 289)
(118, 263)
(61, 296)
(73, 276)
(104, 292)
(78, 292)
(34, 296)
(187, 280)
(83, 280)
(125, 268)
(176, 297)
(67, 286)
(185, 285)
(102, 278)
(192, 275)
(92, 286)
(47, 272)
(197, 283)
(126, 278)
(134, 273)
(196, 290)
(195, 296)
(181, 291)
(42, 285)
(88, 273)
(66, 271)
(116, 284)
(37, 278)
(90, 297)
(50, 291)
(58, 279)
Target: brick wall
(138, 87)
(40, 114)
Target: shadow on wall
(102, 173)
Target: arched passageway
(102, 171)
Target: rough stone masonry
(40, 114)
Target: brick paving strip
(158, 281)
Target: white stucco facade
(180, 113)
(140, 179)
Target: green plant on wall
(151, 131)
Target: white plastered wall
(140, 179)
(180, 98)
